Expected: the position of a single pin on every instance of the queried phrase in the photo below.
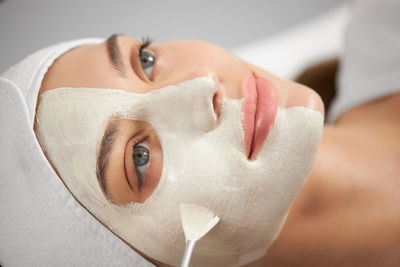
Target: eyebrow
(106, 147)
(115, 55)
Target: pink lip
(259, 110)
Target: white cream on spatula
(197, 221)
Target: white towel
(370, 67)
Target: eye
(141, 159)
(147, 60)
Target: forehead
(85, 66)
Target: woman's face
(145, 151)
(116, 64)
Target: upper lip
(259, 111)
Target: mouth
(259, 111)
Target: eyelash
(146, 41)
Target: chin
(302, 96)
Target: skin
(346, 213)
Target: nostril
(217, 101)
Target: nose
(227, 85)
(230, 76)
(217, 102)
(187, 60)
(229, 79)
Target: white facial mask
(204, 163)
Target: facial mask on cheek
(204, 163)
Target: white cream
(197, 221)
(204, 164)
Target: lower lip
(259, 111)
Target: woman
(184, 127)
